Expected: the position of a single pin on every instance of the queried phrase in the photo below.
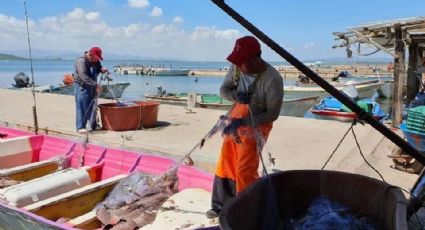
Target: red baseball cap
(97, 53)
(245, 48)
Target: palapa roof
(381, 34)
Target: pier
(285, 71)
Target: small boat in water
(147, 70)
(169, 72)
(365, 89)
(109, 91)
(295, 107)
(332, 109)
(385, 91)
(59, 182)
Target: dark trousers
(224, 189)
(85, 106)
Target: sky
(192, 30)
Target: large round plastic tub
(128, 117)
(296, 190)
(149, 113)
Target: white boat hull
(295, 107)
(108, 91)
(170, 72)
(365, 91)
(386, 90)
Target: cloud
(202, 32)
(78, 30)
(138, 3)
(308, 46)
(178, 19)
(156, 12)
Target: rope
(336, 148)
(357, 143)
(201, 143)
(259, 145)
(361, 153)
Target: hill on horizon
(11, 57)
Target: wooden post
(412, 79)
(398, 76)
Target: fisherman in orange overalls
(256, 88)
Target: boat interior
(62, 180)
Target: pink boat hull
(113, 162)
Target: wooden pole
(398, 76)
(412, 79)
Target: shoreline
(286, 71)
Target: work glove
(243, 98)
(232, 129)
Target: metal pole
(34, 108)
(322, 83)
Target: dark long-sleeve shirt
(267, 97)
(86, 72)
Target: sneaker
(82, 131)
(211, 214)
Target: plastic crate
(416, 119)
(417, 111)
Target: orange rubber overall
(239, 161)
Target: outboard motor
(303, 79)
(21, 80)
(344, 73)
(159, 91)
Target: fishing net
(134, 201)
(325, 214)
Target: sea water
(51, 72)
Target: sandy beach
(296, 143)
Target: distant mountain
(10, 57)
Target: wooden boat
(365, 89)
(385, 91)
(46, 202)
(331, 109)
(169, 72)
(153, 71)
(296, 107)
(109, 91)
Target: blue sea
(52, 72)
